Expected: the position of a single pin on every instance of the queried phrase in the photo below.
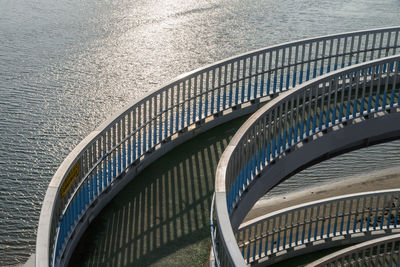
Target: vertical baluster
(396, 45)
(119, 146)
(195, 96)
(189, 101)
(328, 230)
(304, 223)
(303, 51)
(310, 223)
(218, 90)
(343, 216)
(390, 213)
(106, 158)
(269, 69)
(242, 79)
(316, 59)
(296, 55)
(274, 133)
(366, 47)
(372, 48)
(363, 214)
(343, 92)
(357, 211)
(212, 108)
(381, 35)
(295, 112)
(225, 88)
(317, 219)
(297, 227)
(279, 232)
(273, 235)
(328, 68)
(394, 84)
(249, 80)
(344, 53)
(334, 109)
(206, 94)
(113, 159)
(303, 115)
(182, 106)
(349, 216)
(248, 252)
(144, 128)
(336, 217)
(337, 54)
(129, 141)
(256, 77)
(291, 229)
(202, 96)
(279, 129)
(261, 236)
(276, 70)
(177, 106)
(285, 126)
(285, 229)
(385, 92)
(376, 212)
(364, 74)
(169, 105)
(237, 82)
(377, 95)
(262, 82)
(323, 221)
(351, 51)
(309, 61)
(291, 121)
(230, 88)
(155, 118)
(359, 40)
(322, 67)
(282, 69)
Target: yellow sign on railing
(71, 177)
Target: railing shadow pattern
(162, 216)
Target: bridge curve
(109, 157)
(309, 227)
(327, 116)
(382, 251)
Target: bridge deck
(162, 216)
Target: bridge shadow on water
(162, 217)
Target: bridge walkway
(162, 217)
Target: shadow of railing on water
(163, 214)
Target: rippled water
(67, 65)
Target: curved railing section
(290, 121)
(384, 251)
(317, 223)
(148, 127)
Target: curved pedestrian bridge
(312, 99)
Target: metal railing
(326, 219)
(384, 251)
(129, 138)
(296, 116)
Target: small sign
(71, 177)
